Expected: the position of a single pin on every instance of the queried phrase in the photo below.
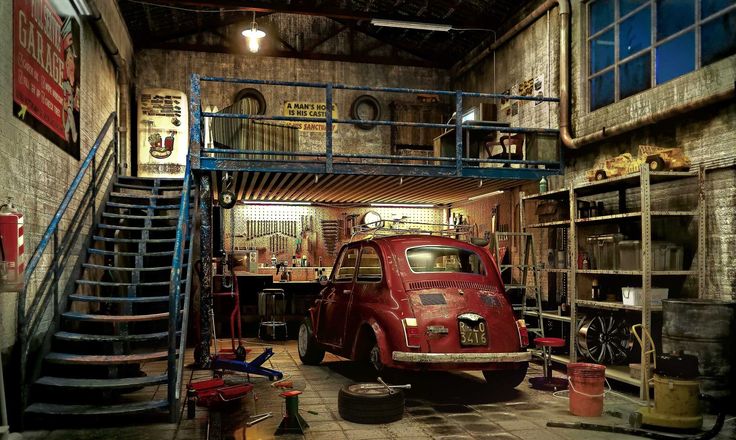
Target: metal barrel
(703, 328)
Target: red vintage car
(417, 302)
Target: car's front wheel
(506, 378)
(309, 350)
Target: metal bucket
(703, 328)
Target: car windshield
(444, 259)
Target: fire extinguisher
(12, 246)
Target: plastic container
(667, 256)
(632, 295)
(605, 250)
(629, 254)
(586, 389)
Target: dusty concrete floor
(439, 406)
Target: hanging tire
(370, 403)
(310, 352)
(506, 379)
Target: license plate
(473, 333)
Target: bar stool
(547, 382)
(271, 309)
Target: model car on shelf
(417, 302)
(656, 158)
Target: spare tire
(370, 403)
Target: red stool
(547, 382)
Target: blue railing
(458, 164)
(183, 235)
(30, 317)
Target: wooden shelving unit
(642, 218)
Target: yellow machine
(676, 391)
(658, 159)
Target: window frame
(360, 260)
(695, 27)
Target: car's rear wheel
(309, 350)
(506, 378)
(370, 403)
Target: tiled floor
(439, 406)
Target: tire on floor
(370, 403)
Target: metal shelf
(557, 194)
(618, 373)
(635, 215)
(656, 273)
(553, 269)
(606, 305)
(630, 181)
(553, 224)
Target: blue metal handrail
(183, 233)
(458, 162)
(28, 315)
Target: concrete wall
(708, 135)
(172, 69)
(35, 172)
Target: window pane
(718, 38)
(347, 265)
(676, 57)
(601, 90)
(370, 265)
(626, 6)
(635, 76)
(444, 259)
(601, 15)
(601, 52)
(673, 16)
(710, 7)
(634, 33)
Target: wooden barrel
(703, 328)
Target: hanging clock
(365, 108)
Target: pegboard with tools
(316, 232)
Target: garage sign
(46, 72)
(304, 109)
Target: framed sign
(46, 72)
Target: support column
(202, 354)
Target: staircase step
(136, 228)
(146, 196)
(76, 316)
(133, 206)
(118, 299)
(113, 284)
(140, 217)
(151, 180)
(111, 359)
(133, 240)
(84, 337)
(148, 188)
(53, 409)
(96, 251)
(101, 384)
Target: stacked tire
(370, 403)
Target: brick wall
(35, 172)
(707, 135)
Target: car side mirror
(478, 241)
(323, 280)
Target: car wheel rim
(303, 339)
(368, 389)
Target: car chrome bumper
(460, 358)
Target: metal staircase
(119, 321)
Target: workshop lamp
(253, 36)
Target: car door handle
(347, 292)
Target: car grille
(423, 285)
(432, 299)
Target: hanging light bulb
(253, 36)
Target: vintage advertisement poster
(163, 132)
(309, 110)
(46, 72)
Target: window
(370, 266)
(634, 45)
(444, 259)
(346, 269)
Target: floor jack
(234, 358)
